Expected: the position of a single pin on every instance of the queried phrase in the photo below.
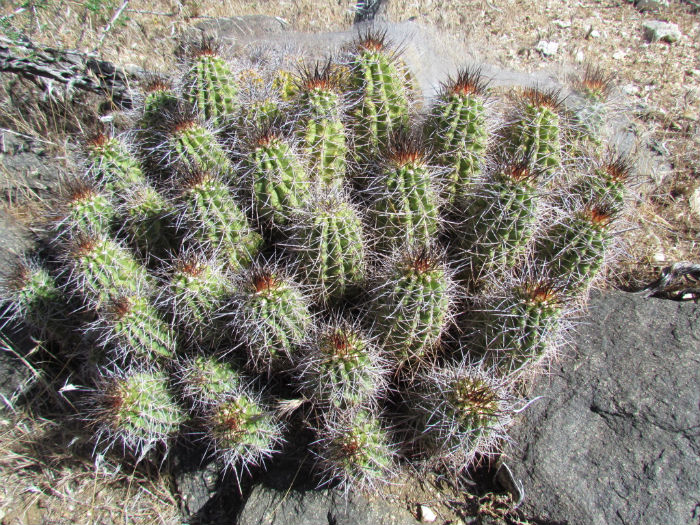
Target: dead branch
(45, 66)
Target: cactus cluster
(392, 269)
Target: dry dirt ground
(659, 80)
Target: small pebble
(426, 514)
(562, 23)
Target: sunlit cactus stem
(210, 218)
(210, 84)
(137, 410)
(85, 210)
(193, 146)
(321, 127)
(457, 131)
(148, 221)
(206, 380)
(112, 165)
(381, 94)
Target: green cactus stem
(159, 99)
(243, 431)
(605, 183)
(412, 305)
(279, 183)
(111, 164)
(574, 250)
(85, 210)
(461, 412)
(320, 126)
(355, 450)
(342, 368)
(206, 380)
(148, 222)
(328, 240)
(211, 86)
(500, 221)
(99, 268)
(210, 218)
(405, 202)
(192, 146)
(198, 289)
(137, 409)
(380, 87)
(272, 318)
(134, 329)
(457, 131)
(522, 327)
(535, 134)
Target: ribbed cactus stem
(522, 327)
(148, 221)
(574, 250)
(279, 183)
(206, 380)
(211, 87)
(191, 145)
(457, 130)
(242, 430)
(138, 409)
(320, 127)
(86, 210)
(329, 243)
(355, 450)
(210, 218)
(460, 412)
(382, 97)
(159, 99)
(101, 268)
(135, 330)
(500, 221)
(405, 201)
(198, 289)
(112, 165)
(341, 367)
(535, 135)
(272, 317)
(412, 305)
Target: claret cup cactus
(321, 238)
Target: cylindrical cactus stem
(341, 367)
(243, 431)
(31, 295)
(198, 288)
(458, 133)
(460, 413)
(412, 304)
(380, 88)
(98, 267)
(329, 244)
(320, 126)
(574, 250)
(85, 210)
(271, 317)
(277, 180)
(210, 218)
(521, 325)
(605, 182)
(191, 145)
(500, 220)
(148, 221)
(210, 84)
(132, 328)
(159, 98)
(135, 409)
(535, 133)
(206, 380)
(354, 450)
(404, 200)
(111, 164)
(590, 117)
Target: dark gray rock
(197, 487)
(615, 438)
(267, 506)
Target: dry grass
(46, 469)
